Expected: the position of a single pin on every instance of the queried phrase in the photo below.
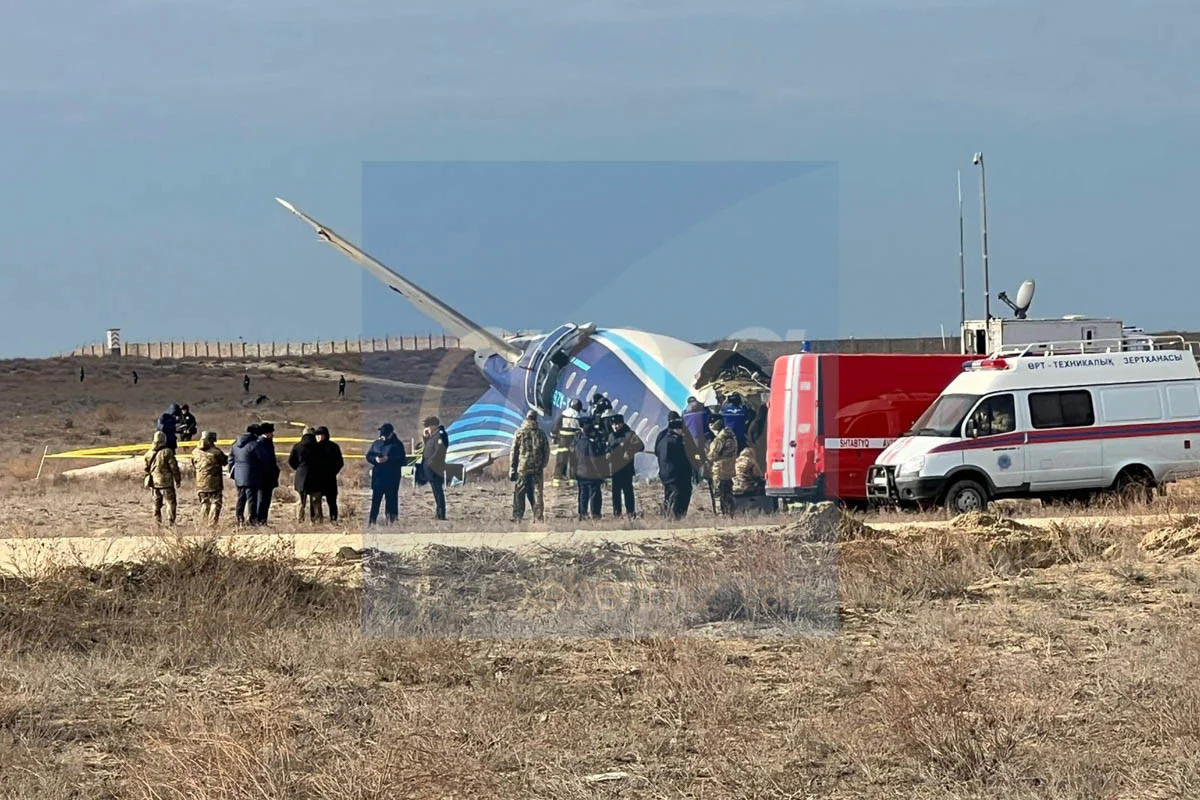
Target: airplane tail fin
(469, 333)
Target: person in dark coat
(674, 468)
(737, 418)
(268, 466)
(386, 457)
(433, 462)
(246, 475)
(309, 480)
(185, 424)
(624, 444)
(332, 462)
(166, 424)
(591, 461)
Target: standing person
(162, 476)
(433, 463)
(210, 463)
(674, 468)
(722, 454)
(185, 424)
(624, 445)
(247, 476)
(566, 428)
(332, 463)
(268, 466)
(527, 464)
(166, 426)
(591, 468)
(696, 418)
(135, 377)
(246, 383)
(736, 417)
(309, 479)
(599, 407)
(342, 386)
(386, 458)
(81, 374)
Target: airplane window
(641, 426)
(580, 388)
(570, 380)
(632, 418)
(653, 432)
(623, 410)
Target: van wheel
(966, 496)
(1134, 486)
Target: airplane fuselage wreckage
(644, 375)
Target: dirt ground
(810, 656)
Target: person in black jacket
(674, 468)
(386, 457)
(268, 466)
(309, 479)
(332, 463)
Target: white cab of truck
(1058, 419)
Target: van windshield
(944, 416)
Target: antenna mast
(987, 302)
(962, 275)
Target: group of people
(716, 446)
(177, 424)
(387, 457)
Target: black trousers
(246, 496)
(677, 496)
(438, 484)
(589, 497)
(389, 497)
(622, 489)
(331, 497)
(264, 505)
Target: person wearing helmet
(736, 417)
(566, 429)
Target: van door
(792, 425)
(1062, 454)
(996, 441)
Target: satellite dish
(1024, 299)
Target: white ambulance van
(1060, 419)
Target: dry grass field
(814, 656)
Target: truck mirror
(971, 430)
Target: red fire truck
(831, 414)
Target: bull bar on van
(881, 479)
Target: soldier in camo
(163, 470)
(722, 455)
(210, 463)
(530, 454)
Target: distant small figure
(342, 387)
(246, 384)
(81, 374)
(135, 377)
(185, 424)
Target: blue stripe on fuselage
(662, 378)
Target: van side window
(995, 415)
(1072, 409)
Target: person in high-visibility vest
(566, 429)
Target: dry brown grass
(959, 668)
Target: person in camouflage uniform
(530, 454)
(163, 472)
(210, 462)
(748, 478)
(722, 455)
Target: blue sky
(143, 142)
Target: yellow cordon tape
(129, 450)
